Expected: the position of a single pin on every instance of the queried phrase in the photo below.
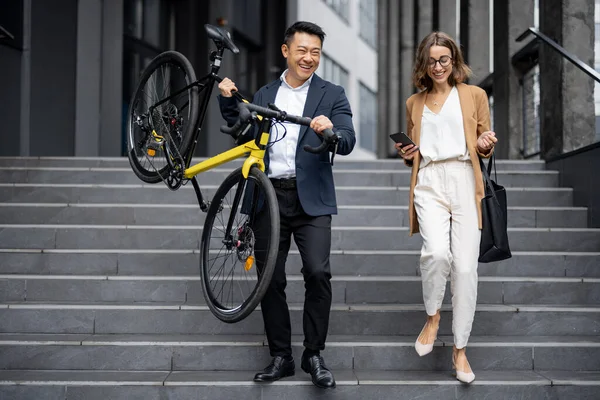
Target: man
(306, 196)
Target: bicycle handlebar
(247, 112)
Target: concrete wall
(52, 77)
(11, 71)
(511, 18)
(10, 98)
(567, 121)
(479, 39)
(88, 78)
(396, 50)
(586, 185)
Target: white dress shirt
(282, 153)
(443, 134)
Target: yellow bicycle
(240, 237)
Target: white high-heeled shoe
(424, 349)
(464, 377)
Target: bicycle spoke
(215, 261)
(233, 277)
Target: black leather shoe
(280, 367)
(320, 374)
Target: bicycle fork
(246, 239)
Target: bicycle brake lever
(335, 147)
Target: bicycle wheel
(237, 264)
(156, 120)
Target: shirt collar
(304, 85)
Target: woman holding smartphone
(449, 122)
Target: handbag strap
(493, 160)
(485, 171)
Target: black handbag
(494, 236)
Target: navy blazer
(314, 175)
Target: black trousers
(313, 238)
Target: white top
(282, 153)
(443, 134)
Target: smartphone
(402, 139)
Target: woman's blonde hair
(460, 70)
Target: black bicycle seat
(221, 37)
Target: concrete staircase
(100, 295)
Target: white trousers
(444, 199)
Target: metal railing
(6, 34)
(569, 56)
(526, 60)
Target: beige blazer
(476, 120)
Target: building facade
(69, 70)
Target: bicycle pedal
(154, 145)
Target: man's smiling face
(303, 55)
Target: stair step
(236, 352)
(340, 163)
(345, 177)
(348, 195)
(345, 289)
(127, 262)
(351, 385)
(190, 214)
(379, 319)
(343, 238)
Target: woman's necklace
(435, 102)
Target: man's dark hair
(306, 27)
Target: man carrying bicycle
(306, 196)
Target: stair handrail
(4, 33)
(562, 51)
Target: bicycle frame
(256, 157)
(254, 150)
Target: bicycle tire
(134, 150)
(268, 255)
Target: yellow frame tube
(256, 157)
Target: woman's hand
(486, 141)
(407, 152)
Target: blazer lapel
(270, 93)
(417, 115)
(316, 91)
(467, 106)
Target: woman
(449, 123)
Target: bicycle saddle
(221, 37)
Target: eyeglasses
(443, 60)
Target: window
(333, 72)
(341, 8)
(368, 22)
(368, 118)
